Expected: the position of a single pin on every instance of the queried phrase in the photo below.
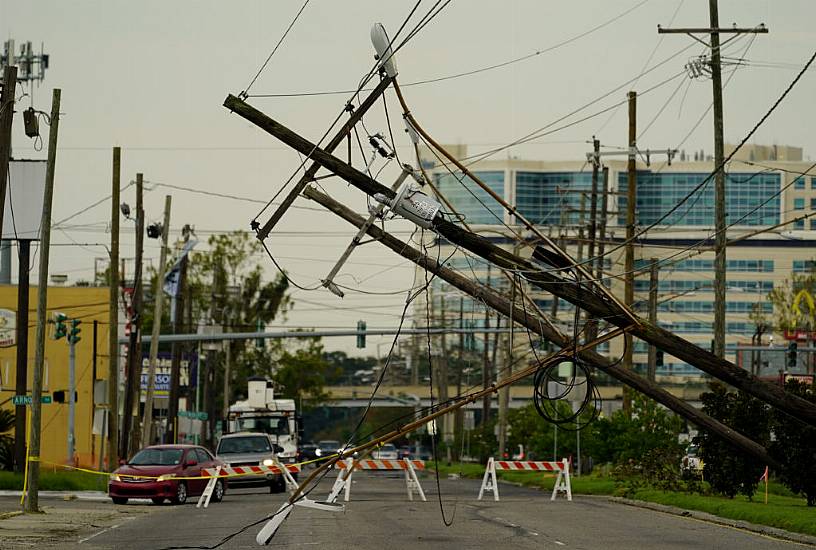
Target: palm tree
(6, 440)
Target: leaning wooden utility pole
(147, 419)
(653, 284)
(597, 303)
(629, 263)
(175, 365)
(6, 117)
(719, 159)
(522, 316)
(130, 415)
(32, 502)
(113, 318)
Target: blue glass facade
(470, 200)
(542, 197)
(657, 193)
(642, 285)
(743, 266)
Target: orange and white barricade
(236, 471)
(343, 482)
(562, 482)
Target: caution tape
(136, 476)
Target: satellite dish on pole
(382, 45)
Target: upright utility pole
(653, 283)
(486, 361)
(113, 318)
(71, 400)
(21, 385)
(147, 420)
(6, 117)
(130, 415)
(629, 263)
(32, 503)
(719, 158)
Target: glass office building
(680, 200)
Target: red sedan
(158, 473)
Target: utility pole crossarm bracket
(356, 116)
(761, 29)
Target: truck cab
(262, 413)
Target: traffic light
(73, 336)
(792, 355)
(659, 358)
(361, 327)
(60, 329)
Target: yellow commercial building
(89, 305)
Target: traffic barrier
(343, 482)
(235, 471)
(562, 482)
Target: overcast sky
(151, 77)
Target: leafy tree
(727, 469)
(6, 439)
(795, 446)
(621, 438)
(783, 296)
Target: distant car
(307, 452)
(405, 452)
(691, 460)
(386, 452)
(152, 473)
(327, 447)
(251, 449)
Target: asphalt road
(379, 517)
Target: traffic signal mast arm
(596, 305)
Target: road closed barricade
(410, 467)
(221, 472)
(562, 481)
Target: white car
(386, 452)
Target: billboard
(187, 373)
(22, 212)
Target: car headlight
(115, 477)
(318, 452)
(268, 462)
(166, 477)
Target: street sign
(27, 399)
(197, 415)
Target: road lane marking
(111, 528)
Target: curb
(97, 496)
(710, 518)
(7, 515)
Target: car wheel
(181, 494)
(157, 500)
(218, 491)
(119, 500)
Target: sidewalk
(62, 522)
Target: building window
(799, 184)
(470, 200)
(813, 203)
(554, 198)
(813, 183)
(799, 224)
(803, 266)
(660, 193)
(812, 224)
(799, 203)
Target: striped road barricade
(237, 471)
(343, 482)
(562, 482)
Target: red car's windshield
(157, 457)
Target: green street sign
(198, 415)
(27, 399)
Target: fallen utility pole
(32, 502)
(719, 155)
(522, 316)
(147, 419)
(546, 280)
